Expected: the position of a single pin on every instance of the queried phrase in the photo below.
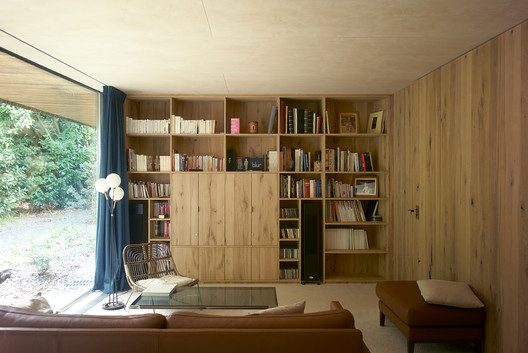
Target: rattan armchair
(152, 263)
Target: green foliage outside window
(46, 163)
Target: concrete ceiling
(251, 47)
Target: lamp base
(113, 306)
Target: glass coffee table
(199, 297)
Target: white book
(159, 289)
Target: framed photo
(375, 123)
(348, 123)
(366, 186)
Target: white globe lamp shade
(117, 194)
(113, 180)
(101, 185)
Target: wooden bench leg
(382, 319)
(410, 346)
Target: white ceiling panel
(254, 46)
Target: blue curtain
(113, 160)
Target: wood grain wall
(460, 152)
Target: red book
(363, 165)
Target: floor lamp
(109, 187)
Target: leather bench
(402, 303)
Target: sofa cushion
(406, 302)
(38, 304)
(15, 317)
(297, 308)
(336, 318)
(451, 293)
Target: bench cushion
(405, 300)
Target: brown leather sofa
(326, 331)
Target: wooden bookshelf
(225, 225)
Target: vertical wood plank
(238, 209)
(184, 209)
(211, 209)
(212, 260)
(265, 209)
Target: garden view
(47, 207)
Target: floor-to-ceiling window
(48, 153)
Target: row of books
(288, 253)
(346, 239)
(289, 233)
(338, 160)
(161, 229)
(302, 188)
(160, 208)
(182, 126)
(337, 188)
(297, 160)
(345, 211)
(143, 163)
(147, 126)
(147, 189)
(184, 163)
(289, 212)
(302, 121)
(289, 273)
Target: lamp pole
(109, 187)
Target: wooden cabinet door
(237, 209)
(265, 209)
(211, 209)
(212, 261)
(184, 209)
(186, 260)
(264, 265)
(237, 263)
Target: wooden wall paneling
(237, 263)
(265, 209)
(237, 209)
(184, 209)
(513, 162)
(212, 263)
(186, 260)
(211, 209)
(453, 143)
(474, 198)
(264, 262)
(521, 203)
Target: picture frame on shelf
(366, 186)
(349, 123)
(375, 123)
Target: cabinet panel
(237, 209)
(237, 263)
(212, 263)
(265, 209)
(186, 260)
(211, 209)
(184, 209)
(264, 262)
